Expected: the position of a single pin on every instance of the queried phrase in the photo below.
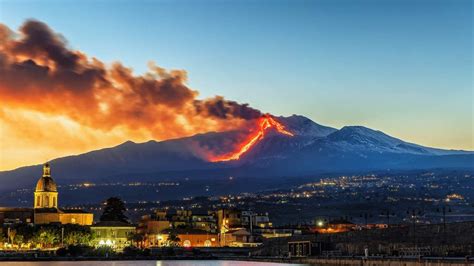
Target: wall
(76, 218)
(117, 235)
(386, 262)
(199, 240)
(46, 218)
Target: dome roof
(46, 183)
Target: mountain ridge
(312, 149)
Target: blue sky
(403, 67)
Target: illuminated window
(207, 243)
(73, 220)
(187, 243)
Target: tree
(26, 231)
(173, 239)
(77, 235)
(11, 235)
(47, 237)
(3, 239)
(78, 238)
(114, 211)
(136, 238)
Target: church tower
(46, 192)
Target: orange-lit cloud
(56, 101)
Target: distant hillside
(314, 149)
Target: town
(227, 226)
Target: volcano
(265, 123)
(276, 147)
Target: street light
(414, 213)
(443, 210)
(387, 214)
(366, 217)
(320, 223)
(62, 236)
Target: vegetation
(3, 238)
(136, 238)
(48, 236)
(132, 251)
(77, 235)
(173, 239)
(75, 250)
(114, 211)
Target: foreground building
(45, 208)
(187, 238)
(113, 234)
(203, 228)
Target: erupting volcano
(265, 123)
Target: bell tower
(46, 192)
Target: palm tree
(3, 239)
(173, 239)
(11, 235)
(136, 238)
(47, 237)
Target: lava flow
(265, 122)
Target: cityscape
(253, 223)
(228, 133)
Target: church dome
(46, 183)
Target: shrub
(80, 250)
(131, 251)
(62, 252)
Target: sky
(402, 67)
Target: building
(292, 246)
(16, 215)
(188, 238)
(254, 220)
(46, 208)
(55, 215)
(334, 226)
(46, 192)
(113, 234)
(228, 219)
(204, 220)
(151, 225)
(278, 232)
(238, 237)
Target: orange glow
(264, 123)
(56, 101)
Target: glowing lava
(265, 122)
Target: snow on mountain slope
(303, 126)
(312, 148)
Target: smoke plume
(40, 73)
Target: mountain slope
(313, 149)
